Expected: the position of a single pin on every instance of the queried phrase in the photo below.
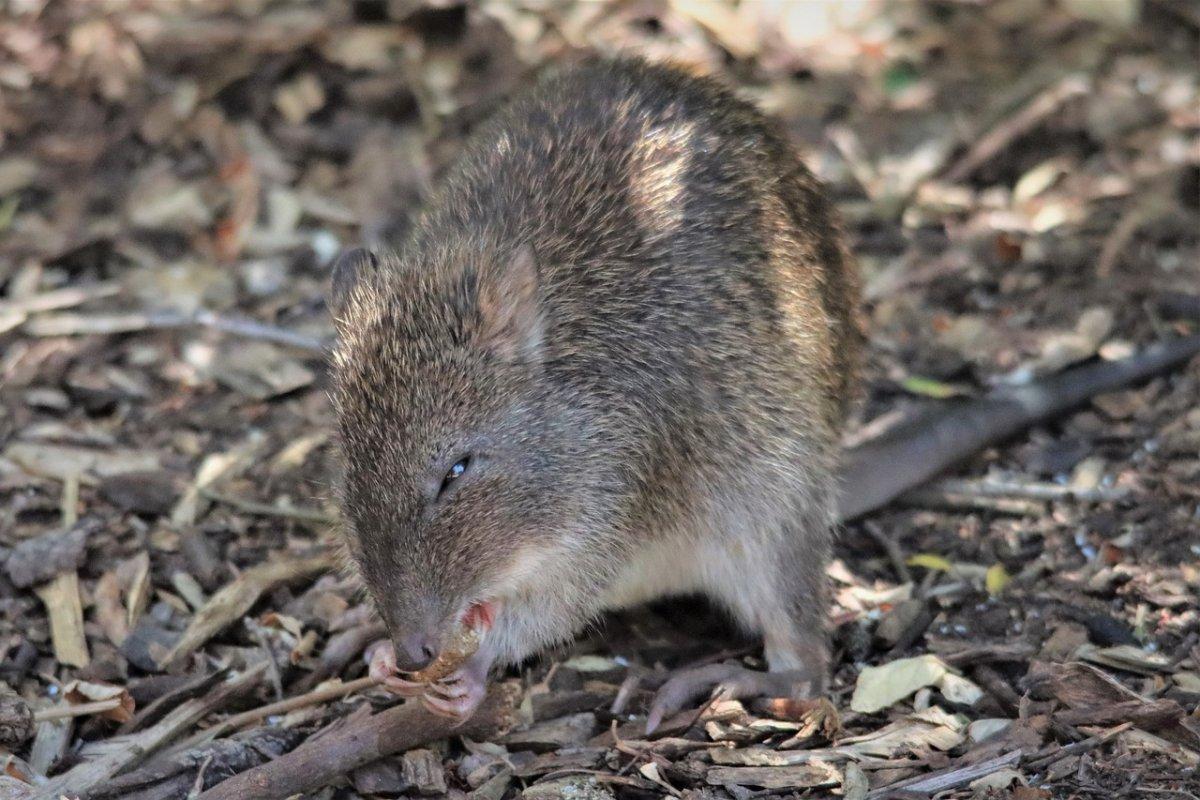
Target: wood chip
(65, 608)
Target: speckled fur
(656, 393)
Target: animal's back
(692, 272)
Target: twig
(315, 697)
(267, 510)
(1038, 110)
(894, 553)
(934, 496)
(133, 322)
(350, 743)
(339, 651)
(58, 298)
(1091, 743)
(1032, 490)
(66, 710)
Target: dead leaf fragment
(884, 686)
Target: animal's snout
(415, 651)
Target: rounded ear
(348, 269)
(510, 306)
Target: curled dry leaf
(78, 692)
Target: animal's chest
(659, 570)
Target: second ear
(348, 269)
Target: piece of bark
(232, 602)
(215, 467)
(551, 705)
(1076, 685)
(795, 776)
(424, 773)
(380, 777)
(202, 558)
(148, 492)
(16, 719)
(42, 558)
(360, 739)
(574, 758)
(51, 743)
(1149, 715)
(494, 787)
(553, 734)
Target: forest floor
(1020, 181)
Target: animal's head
(459, 471)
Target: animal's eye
(454, 473)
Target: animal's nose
(415, 651)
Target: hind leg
(776, 588)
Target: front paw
(457, 695)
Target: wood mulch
(1021, 182)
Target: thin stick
(267, 510)
(894, 553)
(315, 697)
(68, 710)
(70, 324)
(1031, 490)
(59, 298)
(1040, 108)
(1076, 748)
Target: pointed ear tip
(354, 258)
(347, 268)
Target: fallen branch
(908, 455)
(360, 739)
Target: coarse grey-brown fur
(630, 305)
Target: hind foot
(726, 682)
